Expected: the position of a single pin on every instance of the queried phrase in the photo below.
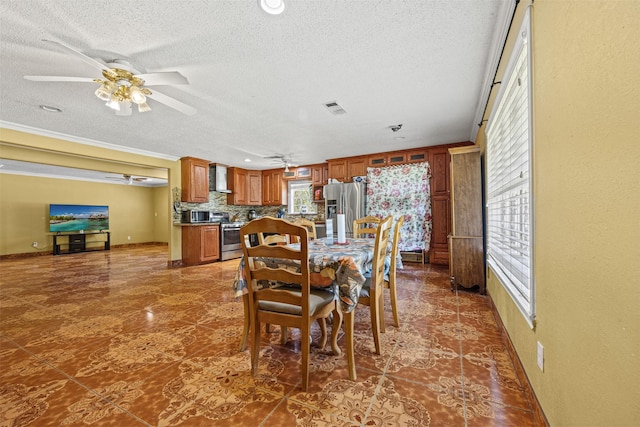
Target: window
(509, 203)
(301, 197)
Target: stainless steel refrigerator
(350, 199)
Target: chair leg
(381, 311)
(335, 330)
(323, 329)
(374, 307)
(245, 330)
(394, 302)
(348, 331)
(255, 347)
(284, 334)
(305, 347)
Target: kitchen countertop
(194, 224)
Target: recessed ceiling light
(272, 7)
(51, 109)
(399, 137)
(247, 160)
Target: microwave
(190, 216)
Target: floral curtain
(403, 190)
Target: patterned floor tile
(118, 338)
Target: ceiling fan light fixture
(272, 7)
(113, 104)
(143, 107)
(104, 92)
(136, 95)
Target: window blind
(508, 154)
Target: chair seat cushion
(318, 298)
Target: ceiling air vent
(335, 108)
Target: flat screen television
(74, 218)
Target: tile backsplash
(218, 203)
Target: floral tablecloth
(341, 267)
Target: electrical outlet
(34, 244)
(540, 356)
(128, 237)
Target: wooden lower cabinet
(466, 265)
(200, 244)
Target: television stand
(77, 242)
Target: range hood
(218, 178)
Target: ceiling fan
(129, 179)
(285, 161)
(121, 85)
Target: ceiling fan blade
(59, 79)
(80, 55)
(173, 103)
(163, 78)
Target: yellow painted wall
(19, 145)
(24, 211)
(586, 84)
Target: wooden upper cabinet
(387, 159)
(338, 169)
(274, 191)
(195, 180)
(254, 188)
(417, 156)
(245, 186)
(237, 183)
(356, 166)
(319, 174)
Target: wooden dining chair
(273, 239)
(366, 226)
(310, 225)
(390, 279)
(295, 305)
(372, 290)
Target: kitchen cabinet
(338, 169)
(466, 241)
(345, 169)
(254, 190)
(245, 186)
(195, 180)
(237, 184)
(386, 159)
(417, 156)
(319, 174)
(274, 190)
(297, 173)
(439, 160)
(200, 244)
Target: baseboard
(536, 409)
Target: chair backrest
(380, 253)
(394, 248)
(366, 226)
(256, 271)
(309, 225)
(273, 239)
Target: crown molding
(85, 141)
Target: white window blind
(509, 204)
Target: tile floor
(116, 338)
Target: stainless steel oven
(230, 246)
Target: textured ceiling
(258, 81)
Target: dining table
(342, 267)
